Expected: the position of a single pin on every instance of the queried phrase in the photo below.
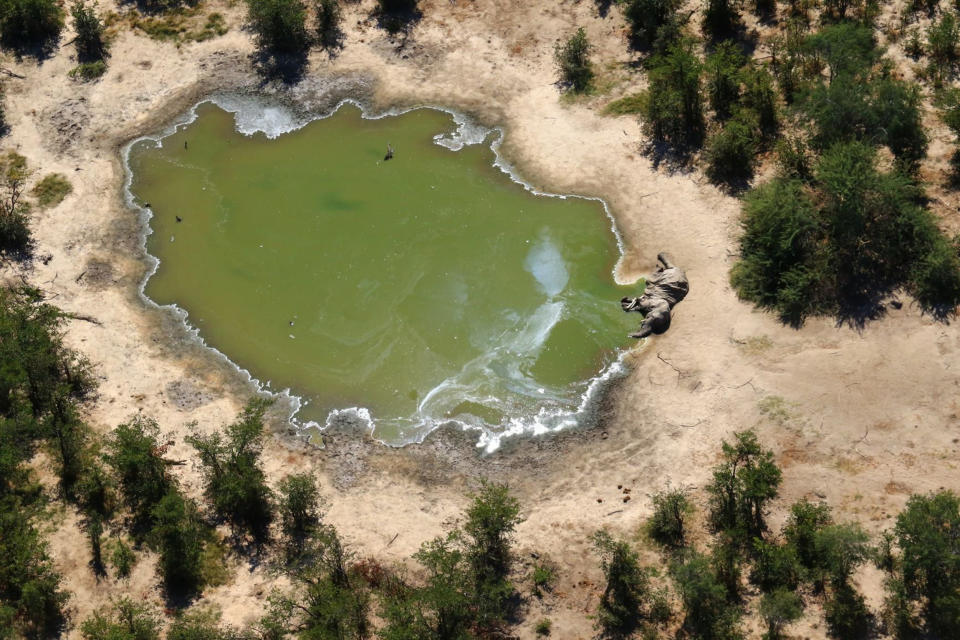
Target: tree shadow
(603, 7)
(39, 51)
(398, 21)
(674, 157)
(287, 68)
(159, 7)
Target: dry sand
(861, 418)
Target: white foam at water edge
(546, 264)
(360, 414)
(468, 133)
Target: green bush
(778, 609)
(136, 456)
(89, 28)
(543, 579)
(87, 71)
(666, 525)
(926, 574)
(122, 558)
(648, 18)
(760, 98)
(730, 152)
(279, 25)
(15, 237)
(27, 24)
(775, 566)
(708, 612)
(573, 62)
(234, 482)
(178, 537)
(674, 107)
(300, 510)
(942, 37)
(491, 519)
(722, 70)
(126, 620)
(619, 610)
(543, 627)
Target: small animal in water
(389, 153)
(179, 219)
(184, 145)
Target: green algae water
(409, 293)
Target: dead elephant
(665, 287)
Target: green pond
(406, 293)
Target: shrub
(30, 23)
(760, 98)
(300, 509)
(279, 25)
(543, 627)
(491, 519)
(666, 524)
(122, 558)
(15, 237)
(136, 456)
(543, 578)
(89, 28)
(674, 108)
(942, 36)
(233, 477)
(708, 613)
(626, 589)
(778, 609)
(178, 537)
(805, 523)
(126, 620)
(52, 189)
(626, 105)
(647, 19)
(929, 562)
(731, 151)
(573, 61)
(88, 70)
(203, 624)
(442, 607)
(775, 566)
(840, 549)
(723, 78)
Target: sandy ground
(861, 418)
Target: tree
(666, 524)
(441, 609)
(775, 566)
(721, 17)
(328, 603)
(731, 151)
(709, 615)
(234, 482)
(300, 510)
(127, 620)
(673, 111)
(743, 484)
(16, 239)
(778, 609)
(573, 61)
(627, 586)
(89, 28)
(29, 586)
(136, 456)
(803, 527)
(30, 24)
(927, 572)
(648, 19)
(279, 25)
(178, 537)
(840, 549)
(491, 519)
(723, 78)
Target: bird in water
(184, 145)
(389, 153)
(179, 219)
